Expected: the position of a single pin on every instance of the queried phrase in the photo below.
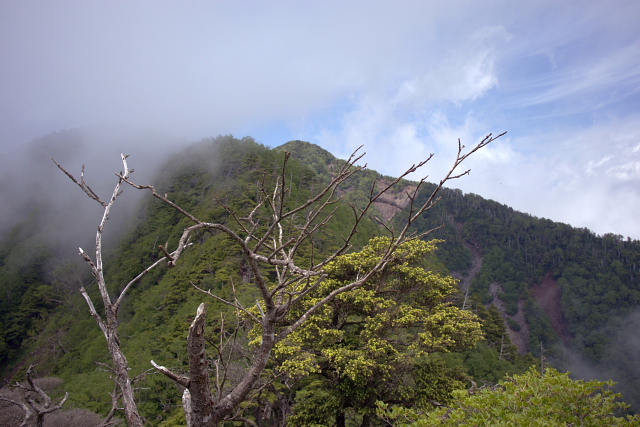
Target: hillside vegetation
(538, 288)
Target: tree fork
(264, 245)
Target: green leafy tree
(275, 233)
(369, 343)
(530, 399)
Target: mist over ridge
(30, 180)
(514, 252)
(407, 80)
(543, 235)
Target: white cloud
(617, 73)
(591, 178)
(464, 73)
(593, 165)
(405, 122)
(405, 79)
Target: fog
(33, 188)
(405, 79)
(620, 360)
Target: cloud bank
(404, 79)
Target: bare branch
(109, 324)
(159, 196)
(83, 185)
(115, 397)
(34, 407)
(271, 237)
(140, 276)
(235, 305)
(183, 380)
(93, 312)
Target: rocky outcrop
(549, 296)
(390, 203)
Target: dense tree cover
(531, 399)
(597, 275)
(282, 277)
(373, 343)
(33, 282)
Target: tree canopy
(44, 320)
(369, 343)
(531, 399)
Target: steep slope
(557, 286)
(553, 284)
(571, 280)
(549, 296)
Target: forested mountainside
(554, 291)
(526, 259)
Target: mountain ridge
(504, 258)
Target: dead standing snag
(34, 402)
(108, 321)
(270, 236)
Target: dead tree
(108, 321)
(270, 237)
(34, 402)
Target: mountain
(565, 293)
(554, 291)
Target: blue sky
(404, 78)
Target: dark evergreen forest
(545, 292)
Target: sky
(403, 78)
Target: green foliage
(513, 325)
(494, 357)
(598, 275)
(486, 365)
(371, 332)
(372, 343)
(318, 159)
(530, 399)
(317, 405)
(27, 295)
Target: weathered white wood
(276, 246)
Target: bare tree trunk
(201, 403)
(109, 323)
(122, 378)
(270, 237)
(200, 409)
(241, 391)
(109, 327)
